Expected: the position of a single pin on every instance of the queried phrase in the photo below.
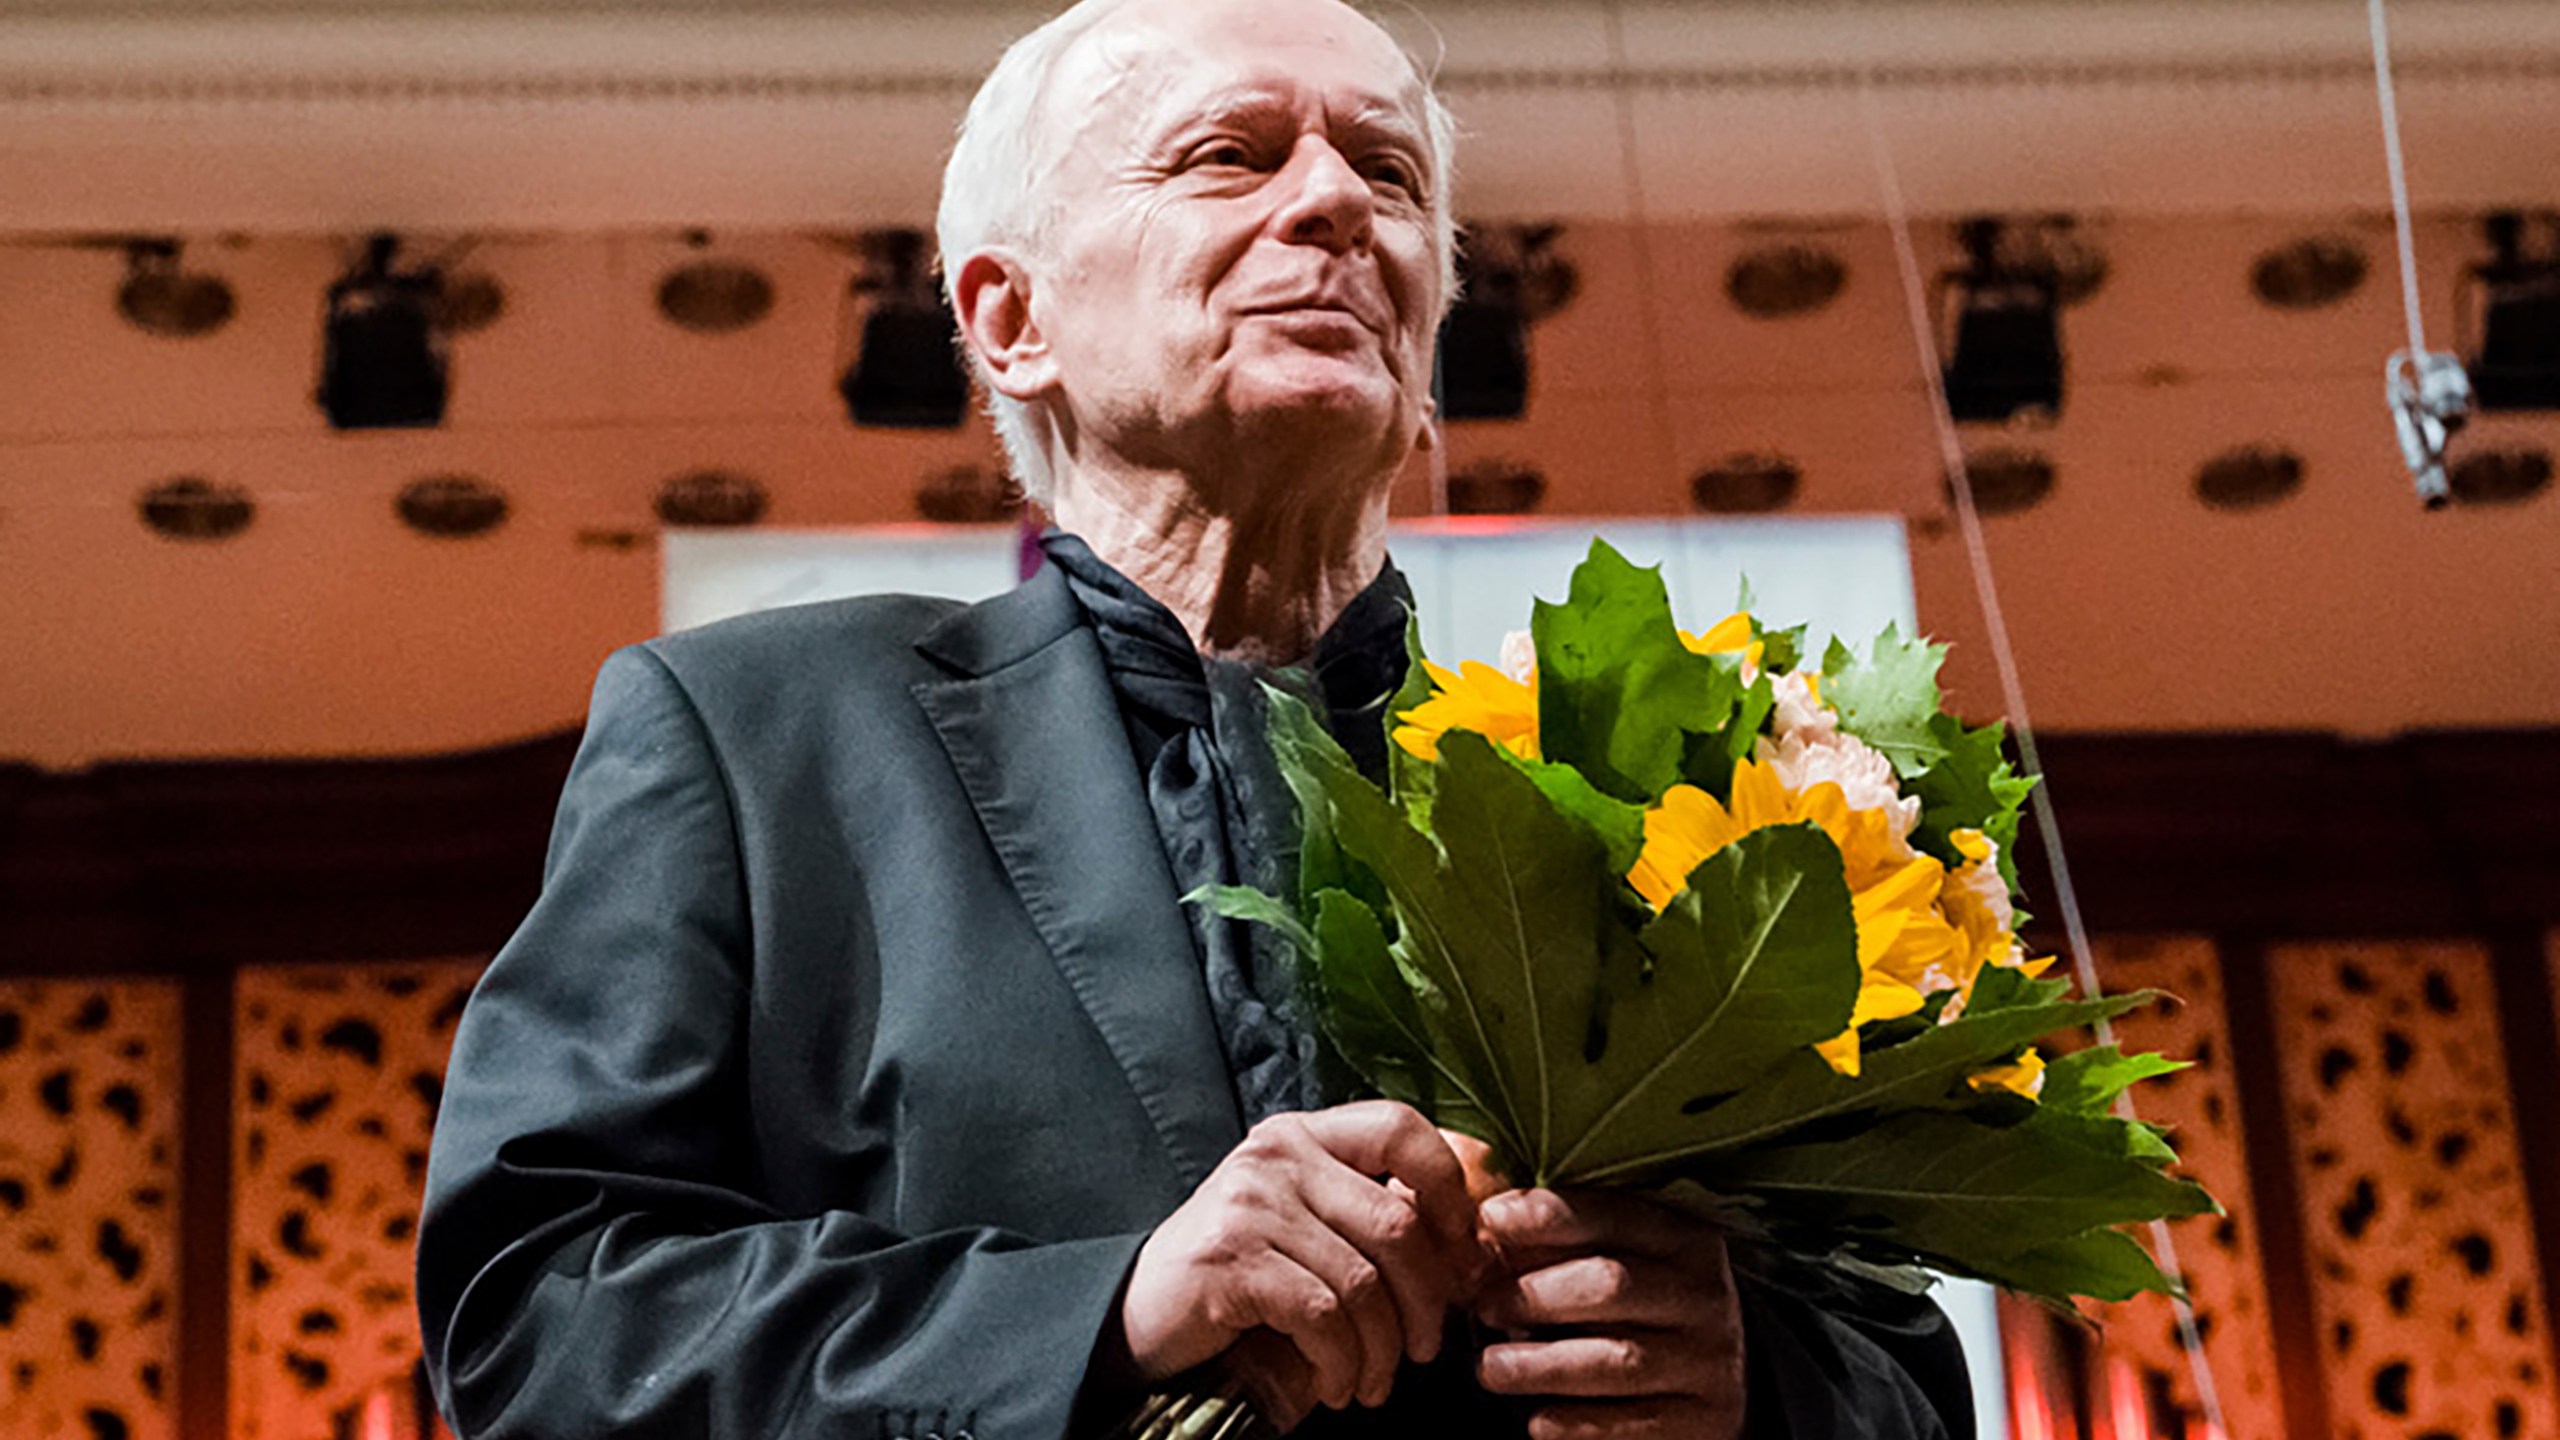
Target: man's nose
(1329, 204)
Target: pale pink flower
(1864, 776)
(1800, 712)
(1520, 657)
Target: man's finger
(1387, 1226)
(1361, 1296)
(1618, 1365)
(1591, 1290)
(1381, 1138)
(1530, 1225)
(1285, 1296)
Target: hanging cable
(2428, 392)
(2013, 695)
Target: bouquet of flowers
(1656, 909)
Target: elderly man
(858, 1073)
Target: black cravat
(1199, 732)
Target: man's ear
(1427, 439)
(992, 303)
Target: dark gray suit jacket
(854, 1045)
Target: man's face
(1242, 242)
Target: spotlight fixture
(711, 296)
(2005, 481)
(2513, 299)
(1789, 278)
(2251, 477)
(191, 507)
(382, 358)
(1747, 484)
(967, 495)
(451, 507)
(2002, 328)
(2307, 274)
(905, 373)
(162, 297)
(1510, 278)
(712, 499)
(1497, 487)
(2500, 477)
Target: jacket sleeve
(595, 1257)
(1848, 1360)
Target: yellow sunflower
(1475, 697)
(1893, 891)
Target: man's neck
(1258, 582)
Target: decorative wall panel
(2219, 1255)
(2424, 1279)
(340, 1069)
(88, 1229)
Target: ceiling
(275, 118)
(573, 150)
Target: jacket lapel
(1034, 731)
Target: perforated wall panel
(2423, 1274)
(88, 1230)
(2219, 1255)
(340, 1071)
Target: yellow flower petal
(1475, 697)
(1726, 636)
(2023, 1076)
(1841, 1051)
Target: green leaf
(1367, 1007)
(1971, 787)
(1889, 698)
(1500, 921)
(2086, 1082)
(1802, 1090)
(1953, 1189)
(1619, 825)
(1616, 688)
(1243, 902)
(2103, 1264)
(1757, 959)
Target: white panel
(714, 575)
(1848, 576)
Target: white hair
(992, 195)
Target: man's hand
(1630, 1311)
(1347, 1230)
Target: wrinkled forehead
(1152, 66)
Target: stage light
(905, 373)
(712, 499)
(1510, 278)
(191, 507)
(2003, 319)
(2249, 478)
(2513, 297)
(451, 507)
(1497, 487)
(162, 297)
(1746, 484)
(382, 358)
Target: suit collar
(1033, 730)
(992, 634)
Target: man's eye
(1223, 155)
(1395, 173)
